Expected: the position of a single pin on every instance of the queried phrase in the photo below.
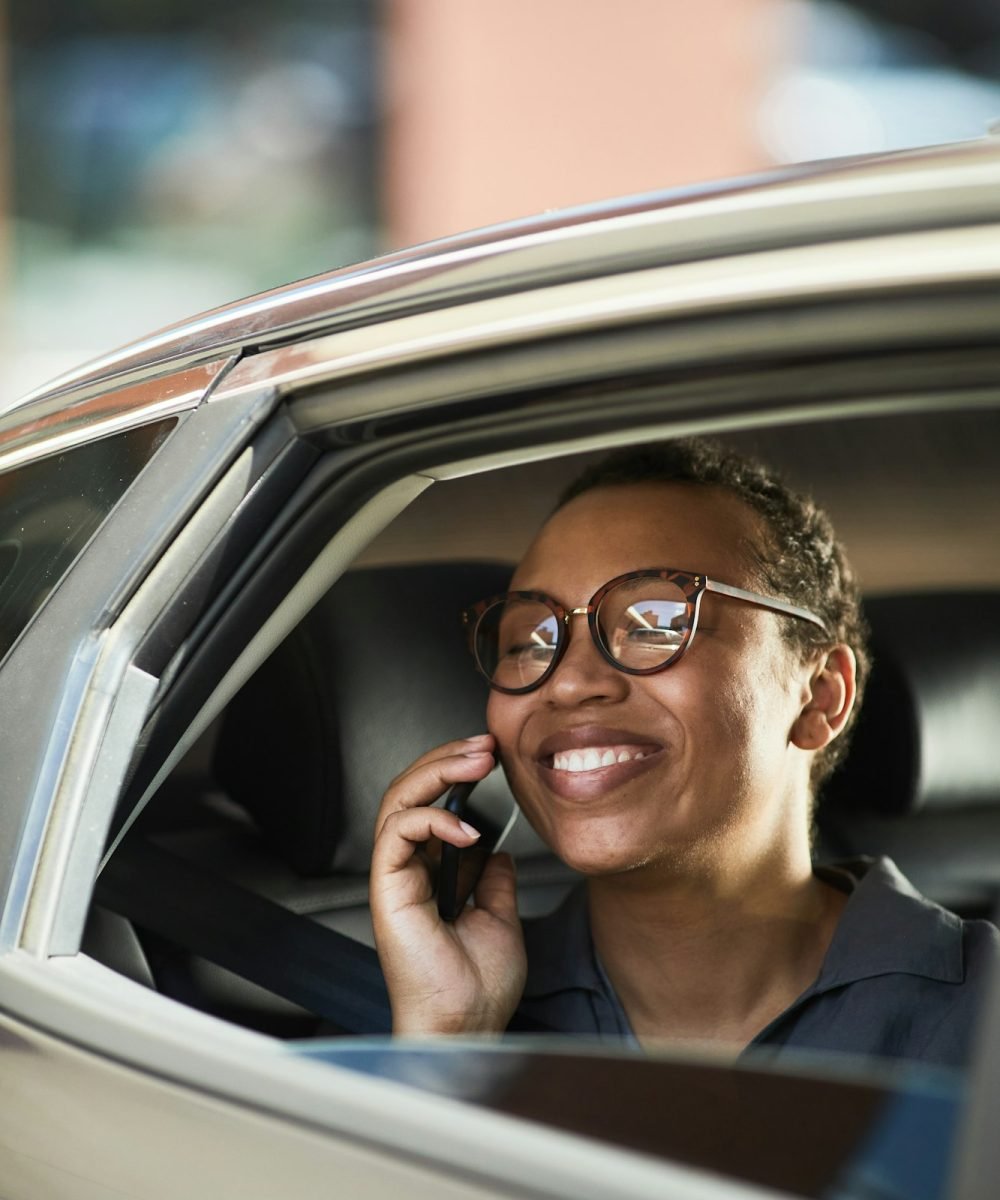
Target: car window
(276, 804)
(286, 793)
(49, 510)
(857, 1134)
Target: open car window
(278, 797)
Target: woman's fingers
(462, 762)
(404, 831)
(480, 741)
(407, 822)
(496, 892)
(464, 976)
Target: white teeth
(593, 758)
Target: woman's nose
(583, 673)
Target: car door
(263, 495)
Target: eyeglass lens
(643, 623)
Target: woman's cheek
(502, 720)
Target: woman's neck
(707, 957)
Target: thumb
(496, 892)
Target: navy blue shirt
(902, 977)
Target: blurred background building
(163, 157)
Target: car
(232, 562)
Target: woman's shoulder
(887, 917)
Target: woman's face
(718, 774)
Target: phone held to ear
(461, 869)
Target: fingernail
(478, 737)
(467, 828)
(476, 754)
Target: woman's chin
(591, 859)
(598, 843)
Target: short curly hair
(801, 561)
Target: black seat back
(377, 674)
(922, 780)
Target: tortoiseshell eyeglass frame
(690, 583)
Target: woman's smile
(594, 758)
(588, 760)
(587, 782)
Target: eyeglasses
(642, 622)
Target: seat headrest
(928, 735)
(374, 676)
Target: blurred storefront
(502, 110)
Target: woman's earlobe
(832, 689)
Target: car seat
(921, 782)
(377, 674)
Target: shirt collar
(887, 928)
(560, 950)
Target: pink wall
(502, 108)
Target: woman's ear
(832, 689)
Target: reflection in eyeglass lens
(644, 622)
(518, 640)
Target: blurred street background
(160, 157)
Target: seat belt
(319, 969)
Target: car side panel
(75, 1126)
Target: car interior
(278, 796)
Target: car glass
(49, 510)
(861, 1130)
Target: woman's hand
(460, 977)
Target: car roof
(818, 201)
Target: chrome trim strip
(15, 906)
(715, 285)
(51, 426)
(919, 189)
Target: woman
(665, 736)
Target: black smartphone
(460, 869)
